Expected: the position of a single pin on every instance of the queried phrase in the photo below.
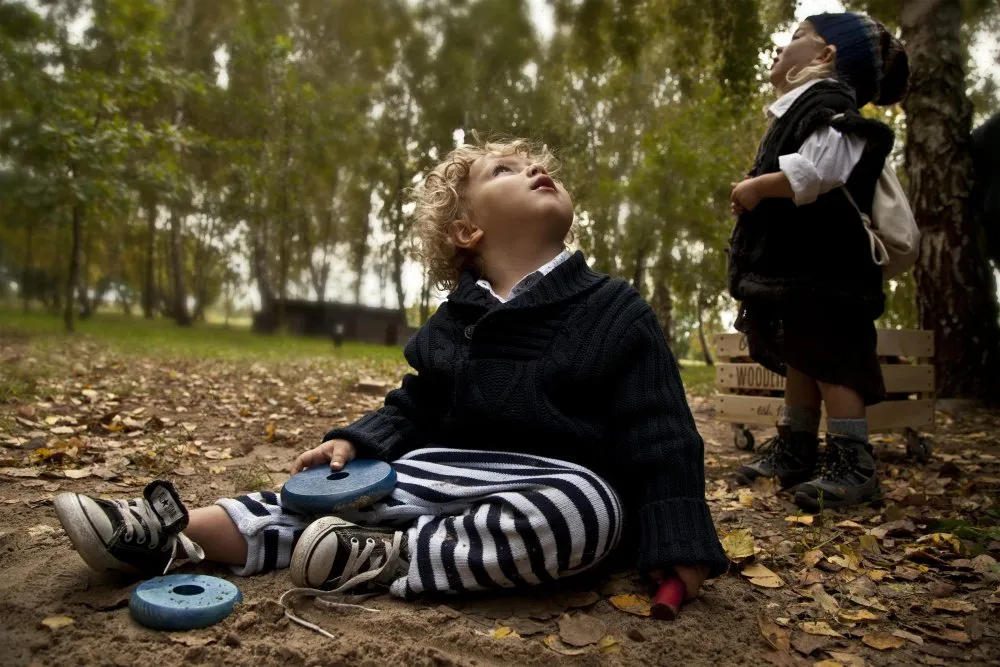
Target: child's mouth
(543, 182)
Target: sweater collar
(566, 280)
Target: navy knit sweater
(575, 369)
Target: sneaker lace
(139, 515)
(362, 567)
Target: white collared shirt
(824, 161)
(527, 282)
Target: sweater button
(468, 331)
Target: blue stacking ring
(183, 601)
(319, 490)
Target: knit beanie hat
(869, 58)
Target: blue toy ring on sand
(183, 601)
(320, 490)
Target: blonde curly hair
(440, 201)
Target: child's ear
(827, 55)
(465, 235)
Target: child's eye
(501, 168)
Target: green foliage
(207, 152)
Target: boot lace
(837, 462)
(773, 451)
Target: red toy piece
(669, 597)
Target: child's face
(806, 48)
(515, 202)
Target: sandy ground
(213, 427)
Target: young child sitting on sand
(544, 426)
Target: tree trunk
(701, 332)
(956, 291)
(26, 272)
(74, 268)
(399, 237)
(425, 299)
(149, 283)
(179, 303)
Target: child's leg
(212, 529)
(483, 520)
(802, 402)
(848, 474)
(145, 535)
(791, 455)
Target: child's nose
(536, 169)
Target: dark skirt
(832, 348)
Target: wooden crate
(750, 395)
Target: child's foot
(846, 477)
(339, 556)
(139, 536)
(791, 457)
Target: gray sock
(802, 419)
(852, 428)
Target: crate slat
(913, 343)
(898, 377)
(763, 411)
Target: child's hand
(693, 577)
(337, 452)
(745, 196)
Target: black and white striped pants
(475, 520)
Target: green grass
(162, 338)
(698, 377)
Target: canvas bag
(892, 231)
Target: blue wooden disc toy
(183, 601)
(319, 490)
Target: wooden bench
(750, 395)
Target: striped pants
(474, 520)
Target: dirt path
(913, 582)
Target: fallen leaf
(850, 558)
(882, 641)
(217, 470)
(554, 643)
(184, 472)
(850, 525)
(804, 519)
(738, 544)
(502, 631)
(858, 616)
(983, 563)
(581, 629)
(809, 644)
(847, 659)
(825, 600)
(56, 622)
(189, 427)
(773, 634)
(869, 544)
(810, 558)
(632, 604)
(902, 527)
(949, 635)
(953, 605)
(62, 430)
(909, 636)
(761, 576)
(821, 628)
(20, 472)
(77, 474)
(746, 499)
(609, 645)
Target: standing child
(800, 260)
(545, 426)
